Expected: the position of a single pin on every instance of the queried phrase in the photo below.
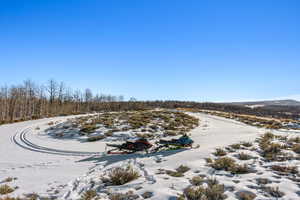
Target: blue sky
(159, 49)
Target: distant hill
(256, 104)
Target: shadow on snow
(111, 159)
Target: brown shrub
(6, 189)
(220, 152)
(120, 196)
(95, 138)
(224, 163)
(247, 144)
(89, 195)
(296, 148)
(244, 156)
(273, 191)
(245, 195)
(197, 180)
(121, 176)
(183, 169)
(285, 169)
(212, 192)
(235, 146)
(90, 128)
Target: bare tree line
(32, 101)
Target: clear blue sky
(155, 49)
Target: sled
(130, 147)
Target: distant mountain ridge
(285, 102)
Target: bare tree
(52, 90)
(61, 92)
(32, 101)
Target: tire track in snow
(21, 140)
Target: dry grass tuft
(89, 195)
(197, 180)
(240, 169)
(244, 156)
(121, 176)
(229, 164)
(262, 181)
(127, 196)
(211, 192)
(6, 189)
(179, 171)
(285, 169)
(89, 128)
(247, 144)
(209, 160)
(95, 138)
(273, 191)
(183, 169)
(220, 152)
(235, 146)
(245, 195)
(296, 148)
(10, 198)
(224, 163)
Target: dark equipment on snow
(130, 147)
(183, 141)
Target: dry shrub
(246, 144)
(273, 191)
(33, 196)
(212, 181)
(109, 133)
(197, 180)
(183, 169)
(245, 195)
(179, 171)
(282, 138)
(6, 189)
(211, 192)
(273, 148)
(50, 123)
(263, 181)
(285, 169)
(89, 195)
(244, 156)
(229, 164)
(270, 150)
(95, 138)
(10, 198)
(120, 196)
(268, 136)
(174, 173)
(209, 160)
(240, 169)
(294, 140)
(220, 152)
(224, 163)
(121, 175)
(296, 148)
(8, 179)
(235, 146)
(89, 128)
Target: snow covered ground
(67, 168)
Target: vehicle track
(21, 140)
